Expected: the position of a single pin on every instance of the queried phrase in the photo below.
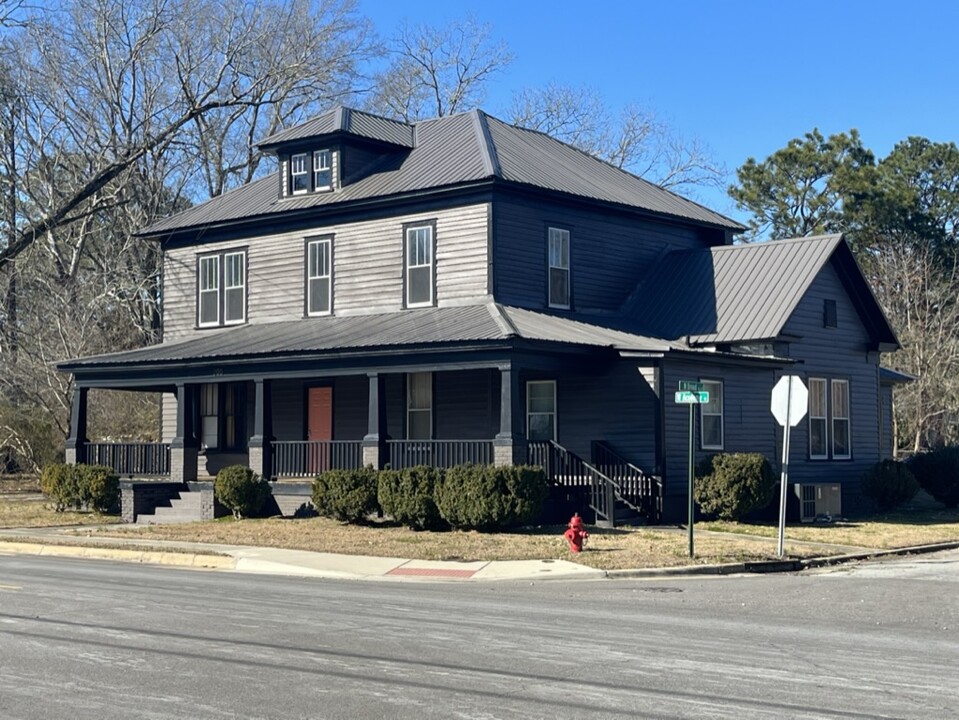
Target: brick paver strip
(432, 572)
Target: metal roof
(448, 151)
(350, 121)
(888, 376)
(425, 326)
(737, 293)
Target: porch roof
(419, 327)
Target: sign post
(691, 393)
(790, 399)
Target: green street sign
(690, 385)
(685, 397)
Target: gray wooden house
(463, 290)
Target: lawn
(19, 510)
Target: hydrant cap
(576, 521)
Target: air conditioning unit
(821, 501)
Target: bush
(241, 490)
(485, 497)
(731, 485)
(61, 484)
(938, 474)
(407, 496)
(99, 488)
(347, 495)
(889, 483)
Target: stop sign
(791, 393)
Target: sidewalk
(61, 542)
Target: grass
(608, 549)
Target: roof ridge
(502, 319)
(487, 148)
(826, 237)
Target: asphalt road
(83, 639)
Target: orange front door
(319, 428)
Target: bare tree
(633, 138)
(437, 71)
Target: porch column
(374, 442)
(261, 441)
(184, 446)
(509, 445)
(75, 451)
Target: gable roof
(742, 293)
(443, 153)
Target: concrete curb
(872, 554)
(153, 557)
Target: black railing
(568, 469)
(147, 459)
(439, 453)
(637, 488)
(308, 458)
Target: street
(85, 639)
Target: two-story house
(463, 290)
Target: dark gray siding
(609, 252)
(885, 422)
(288, 410)
(356, 162)
(463, 405)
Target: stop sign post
(790, 400)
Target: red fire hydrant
(576, 534)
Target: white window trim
(310, 277)
(409, 402)
(242, 256)
(317, 168)
(530, 413)
(721, 415)
(833, 418)
(304, 172)
(551, 267)
(824, 418)
(203, 259)
(431, 265)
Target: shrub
(99, 487)
(938, 474)
(731, 485)
(407, 496)
(241, 490)
(61, 484)
(347, 495)
(485, 497)
(889, 483)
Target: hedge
(346, 495)
(485, 497)
(407, 496)
(96, 487)
(889, 483)
(938, 474)
(241, 490)
(731, 485)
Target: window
(208, 302)
(818, 448)
(419, 406)
(299, 174)
(322, 170)
(711, 416)
(558, 268)
(829, 318)
(829, 434)
(419, 266)
(840, 419)
(209, 413)
(226, 401)
(221, 289)
(541, 410)
(319, 279)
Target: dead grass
(10, 484)
(18, 511)
(893, 530)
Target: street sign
(685, 397)
(789, 398)
(691, 385)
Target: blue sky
(743, 76)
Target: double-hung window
(829, 433)
(299, 173)
(221, 289)
(558, 268)
(541, 410)
(319, 277)
(419, 406)
(322, 170)
(419, 265)
(711, 416)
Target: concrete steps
(184, 508)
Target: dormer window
(299, 174)
(322, 170)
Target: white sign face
(792, 393)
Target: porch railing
(640, 490)
(570, 470)
(439, 453)
(147, 459)
(307, 458)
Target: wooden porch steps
(184, 508)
